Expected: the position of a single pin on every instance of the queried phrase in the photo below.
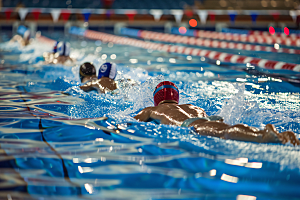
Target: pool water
(58, 142)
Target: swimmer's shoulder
(149, 110)
(107, 79)
(145, 114)
(187, 104)
(193, 109)
(108, 83)
(188, 107)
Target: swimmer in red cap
(167, 111)
(105, 81)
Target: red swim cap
(165, 90)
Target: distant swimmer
(167, 111)
(105, 81)
(23, 37)
(59, 55)
(47, 56)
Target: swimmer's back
(102, 85)
(174, 114)
(108, 84)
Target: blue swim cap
(22, 29)
(108, 70)
(55, 47)
(63, 48)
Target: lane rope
(238, 41)
(260, 39)
(215, 55)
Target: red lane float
(280, 35)
(261, 39)
(225, 57)
(211, 43)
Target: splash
(242, 108)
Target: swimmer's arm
(16, 38)
(144, 115)
(92, 85)
(87, 88)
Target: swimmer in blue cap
(22, 39)
(166, 110)
(48, 56)
(105, 81)
(59, 55)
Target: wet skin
(102, 85)
(89, 78)
(169, 112)
(23, 42)
(51, 58)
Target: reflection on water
(56, 144)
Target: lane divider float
(215, 55)
(260, 39)
(165, 37)
(292, 33)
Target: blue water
(55, 143)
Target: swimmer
(167, 111)
(47, 56)
(60, 55)
(23, 40)
(105, 81)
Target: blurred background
(205, 14)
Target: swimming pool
(59, 146)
